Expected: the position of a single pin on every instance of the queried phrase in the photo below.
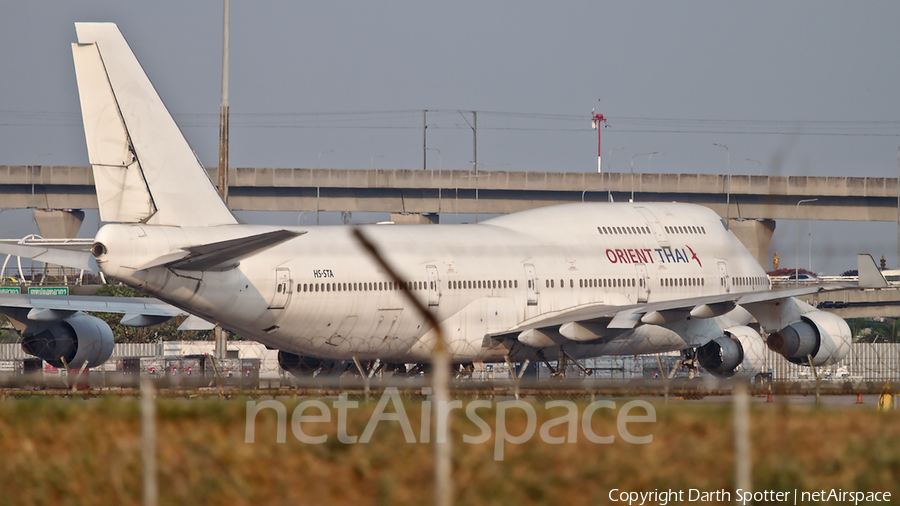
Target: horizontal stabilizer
(224, 255)
(78, 258)
(869, 275)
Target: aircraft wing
(136, 311)
(627, 316)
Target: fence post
(148, 432)
(742, 461)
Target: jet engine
(824, 336)
(77, 340)
(739, 353)
(297, 365)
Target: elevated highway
(488, 192)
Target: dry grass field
(88, 452)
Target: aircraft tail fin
(869, 275)
(144, 169)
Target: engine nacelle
(740, 353)
(297, 365)
(78, 339)
(824, 336)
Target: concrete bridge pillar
(58, 224)
(756, 236)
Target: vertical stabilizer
(144, 169)
(869, 274)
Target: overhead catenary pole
(424, 139)
(223, 111)
(474, 126)
(727, 184)
(797, 250)
(221, 334)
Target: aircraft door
(658, 231)
(282, 288)
(434, 286)
(531, 284)
(643, 283)
(724, 282)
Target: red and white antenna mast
(596, 119)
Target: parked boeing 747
(555, 283)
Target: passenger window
(516, 283)
(504, 284)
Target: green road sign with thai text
(48, 290)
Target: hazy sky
(806, 87)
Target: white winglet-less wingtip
(580, 279)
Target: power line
(408, 119)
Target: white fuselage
(321, 294)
